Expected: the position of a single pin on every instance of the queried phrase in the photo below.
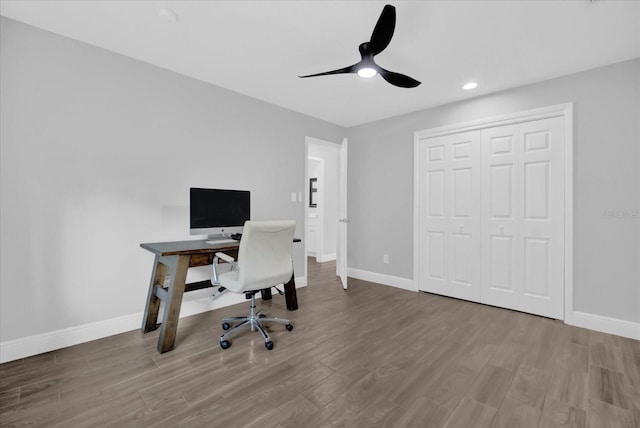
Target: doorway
(321, 199)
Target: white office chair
(264, 261)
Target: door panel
(500, 275)
(501, 191)
(541, 223)
(536, 267)
(450, 215)
(462, 268)
(523, 180)
(502, 143)
(462, 193)
(436, 193)
(536, 190)
(435, 255)
(499, 225)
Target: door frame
(559, 110)
(317, 141)
(343, 215)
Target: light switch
(293, 196)
(299, 196)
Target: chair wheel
(226, 326)
(225, 344)
(289, 327)
(268, 345)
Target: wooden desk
(172, 260)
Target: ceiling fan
(380, 38)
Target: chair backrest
(264, 257)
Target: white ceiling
(258, 48)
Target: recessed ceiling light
(367, 72)
(168, 16)
(470, 85)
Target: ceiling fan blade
(383, 30)
(350, 69)
(398, 79)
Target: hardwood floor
(372, 356)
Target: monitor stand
(220, 239)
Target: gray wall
(98, 153)
(606, 177)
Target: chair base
(254, 320)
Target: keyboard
(222, 241)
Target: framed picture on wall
(313, 192)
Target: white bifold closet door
(492, 216)
(450, 221)
(523, 217)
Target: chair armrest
(227, 258)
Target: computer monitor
(218, 213)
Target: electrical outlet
(385, 259)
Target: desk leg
(178, 266)
(290, 294)
(150, 319)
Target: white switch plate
(299, 196)
(293, 196)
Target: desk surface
(186, 247)
(199, 246)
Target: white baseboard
(326, 258)
(379, 278)
(193, 303)
(37, 344)
(605, 324)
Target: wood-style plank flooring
(372, 356)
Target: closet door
(450, 215)
(541, 208)
(499, 216)
(523, 217)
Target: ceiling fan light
(367, 72)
